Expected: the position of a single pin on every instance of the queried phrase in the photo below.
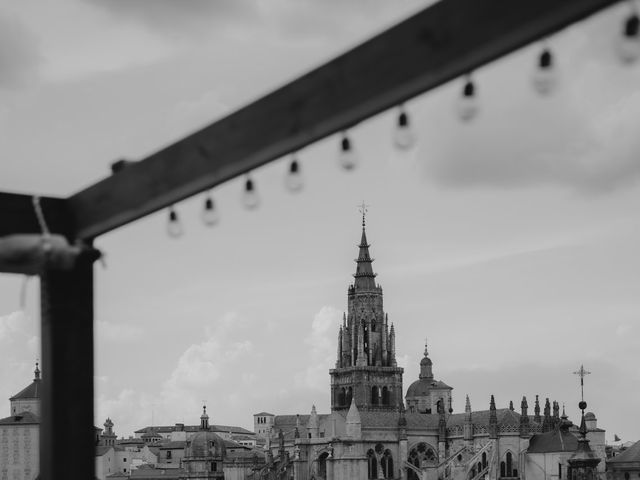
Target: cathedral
(373, 432)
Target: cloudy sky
(510, 242)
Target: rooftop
(23, 418)
(631, 454)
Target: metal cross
(363, 210)
(581, 373)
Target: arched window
(387, 464)
(322, 465)
(503, 469)
(372, 469)
(484, 460)
(385, 396)
(375, 396)
(349, 395)
(341, 396)
(509, 458)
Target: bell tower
(366, 368)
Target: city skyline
(511, 246)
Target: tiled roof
(23, 418)
(194, 428)
(505, 416)
(31, 391)
(558, 440)
(631, 454)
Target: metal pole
(67, 373)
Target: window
(124, 459)
(387, 464)
(375, 396)
(372, 462)
(214, 467)
(559, 471)
(509, 464)
(322, 465)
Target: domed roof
(206, 444)
(426, 361)
(423, 386)
(590, 416)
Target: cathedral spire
(36, 373)
(364, 276)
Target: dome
(423, 386)
(206, 444)
(590, 416)
(426, 361)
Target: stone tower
(366, 369)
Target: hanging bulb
(174, 225)
(468, 102)
(348, 157)
(293, 180)
(545, 77)
(209, 213)
(404, 137)
(250, 198)
(629, 42)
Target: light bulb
(545, 77)
(347, 157)
(209, 213)
(468, 103)
(404, 137)
(293, 180)
(250, 198)
(174, 225)
(628, 44)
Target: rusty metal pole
(67, 373)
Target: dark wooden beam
(67, 373)
(434, 46)
(18, 215)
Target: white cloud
(322, 349)
(10, 324)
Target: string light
(174, 225)
(209, 213)
(545, 76)
(404, 137)
(347, 157)
(629, 42)
(250, 197)
(293, 180)
(468, 105)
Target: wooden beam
(19, 216)
(434, 46)
(67, 373)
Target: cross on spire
(363, 210)
(581, 372)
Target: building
(625, 465)
(20, 434)
(369, 434)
